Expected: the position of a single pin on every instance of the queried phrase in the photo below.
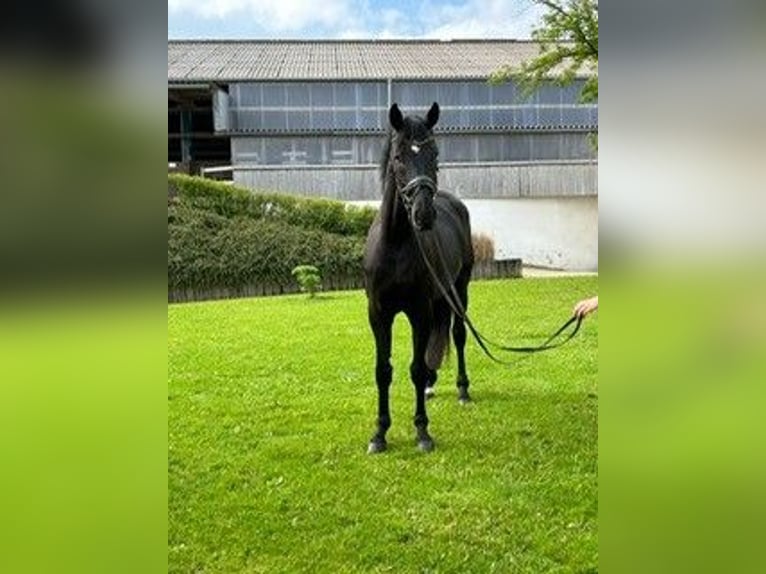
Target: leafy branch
(568, 39)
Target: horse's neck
(393, 216)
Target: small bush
(483, 247)
(308, 278)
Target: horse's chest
(400, 272)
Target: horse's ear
(433, 116)
(395, 117)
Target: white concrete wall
(560, 233)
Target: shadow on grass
(319, 298)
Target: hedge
(231, 201)
(222, 236)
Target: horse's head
(413, 163)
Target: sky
(347, 19)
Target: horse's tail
(438, 340)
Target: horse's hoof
(376, 446)
(426, 444)
(430, 392)
(463, 397)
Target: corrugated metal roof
(231, 60)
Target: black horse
(396, 276)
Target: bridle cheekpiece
(407, 193)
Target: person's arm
(586, 306)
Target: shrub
(483, 247)
(308, 278)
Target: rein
(453, 300)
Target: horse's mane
(385, 155)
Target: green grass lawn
(272, 402)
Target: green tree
(568, 38)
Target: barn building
(309, 118)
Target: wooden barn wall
(469, 181)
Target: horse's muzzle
(423, 218)
(418, 196)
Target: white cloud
(280, 15)
(480, 19)
(368, 19)
(450, 20)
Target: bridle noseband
(407, 193)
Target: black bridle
(407, 193)
(450, 295)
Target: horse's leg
(420, 322)
(381, 327)
(430, 382)
(459, 336)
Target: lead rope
(453, 300)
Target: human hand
(586, 306)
